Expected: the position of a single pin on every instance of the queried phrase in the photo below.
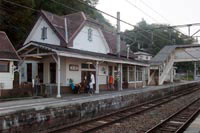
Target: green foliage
(161, 37)
(17, 22)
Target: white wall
(23, 70)
(65, 73)
(7, 78)
(144, 57)
(35, 34)
(98, 43)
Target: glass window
(4, 66)
(85, 66)
(92, 66)
(139, 73)
(131, 73)
(125, 73)
(90, 34)
(44, 33)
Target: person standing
(37, 85)
(92, 82)
(111, 82)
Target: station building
(8, 56)
(60, 48)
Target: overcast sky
(175, 12)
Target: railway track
(114, 117)
(179, 121)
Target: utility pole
(189, 29)
(119, 66)
(152, 38)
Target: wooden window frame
(44, 33)
(8, 67)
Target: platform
(10, 106)
(194, 126)
(74, 108)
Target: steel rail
(183, 126)
(160, 101)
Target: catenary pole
(119, 84)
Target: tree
(17, 21)
(153, 37)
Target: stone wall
(41, 119)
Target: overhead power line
(155, 11)
(122, 21)
(152, 17)
(23, 6)
(29, 8)
(129, 2)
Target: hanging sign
(103, 70)
(73, 67)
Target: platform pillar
(195, 70)
(58, 68)
(97, 77)
(172, 75)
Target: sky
(173, 12)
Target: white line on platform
(44, 103)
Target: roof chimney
(66, 31)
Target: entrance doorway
(110, 70)
(125, 77)
(29, 72)
(86, 74)
(40, 71)
(52, 73)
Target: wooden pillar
(58, 70)
(97, 77)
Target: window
(85, 66)
(90, 34)
(139, 73)
(131, 73)
(44, 33)
(4, 66)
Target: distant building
(7, 57)
(140, 55)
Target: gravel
(145, 121)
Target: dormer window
(90, 34)
(44, 33)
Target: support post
(195, 70)
(58, 69)
(172, 75)
(119, 84)
(97, 78)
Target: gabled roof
(75, 22)
(7, 51)
(57, 23)
(142, 53)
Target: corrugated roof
(165, 52)
(108, 56)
